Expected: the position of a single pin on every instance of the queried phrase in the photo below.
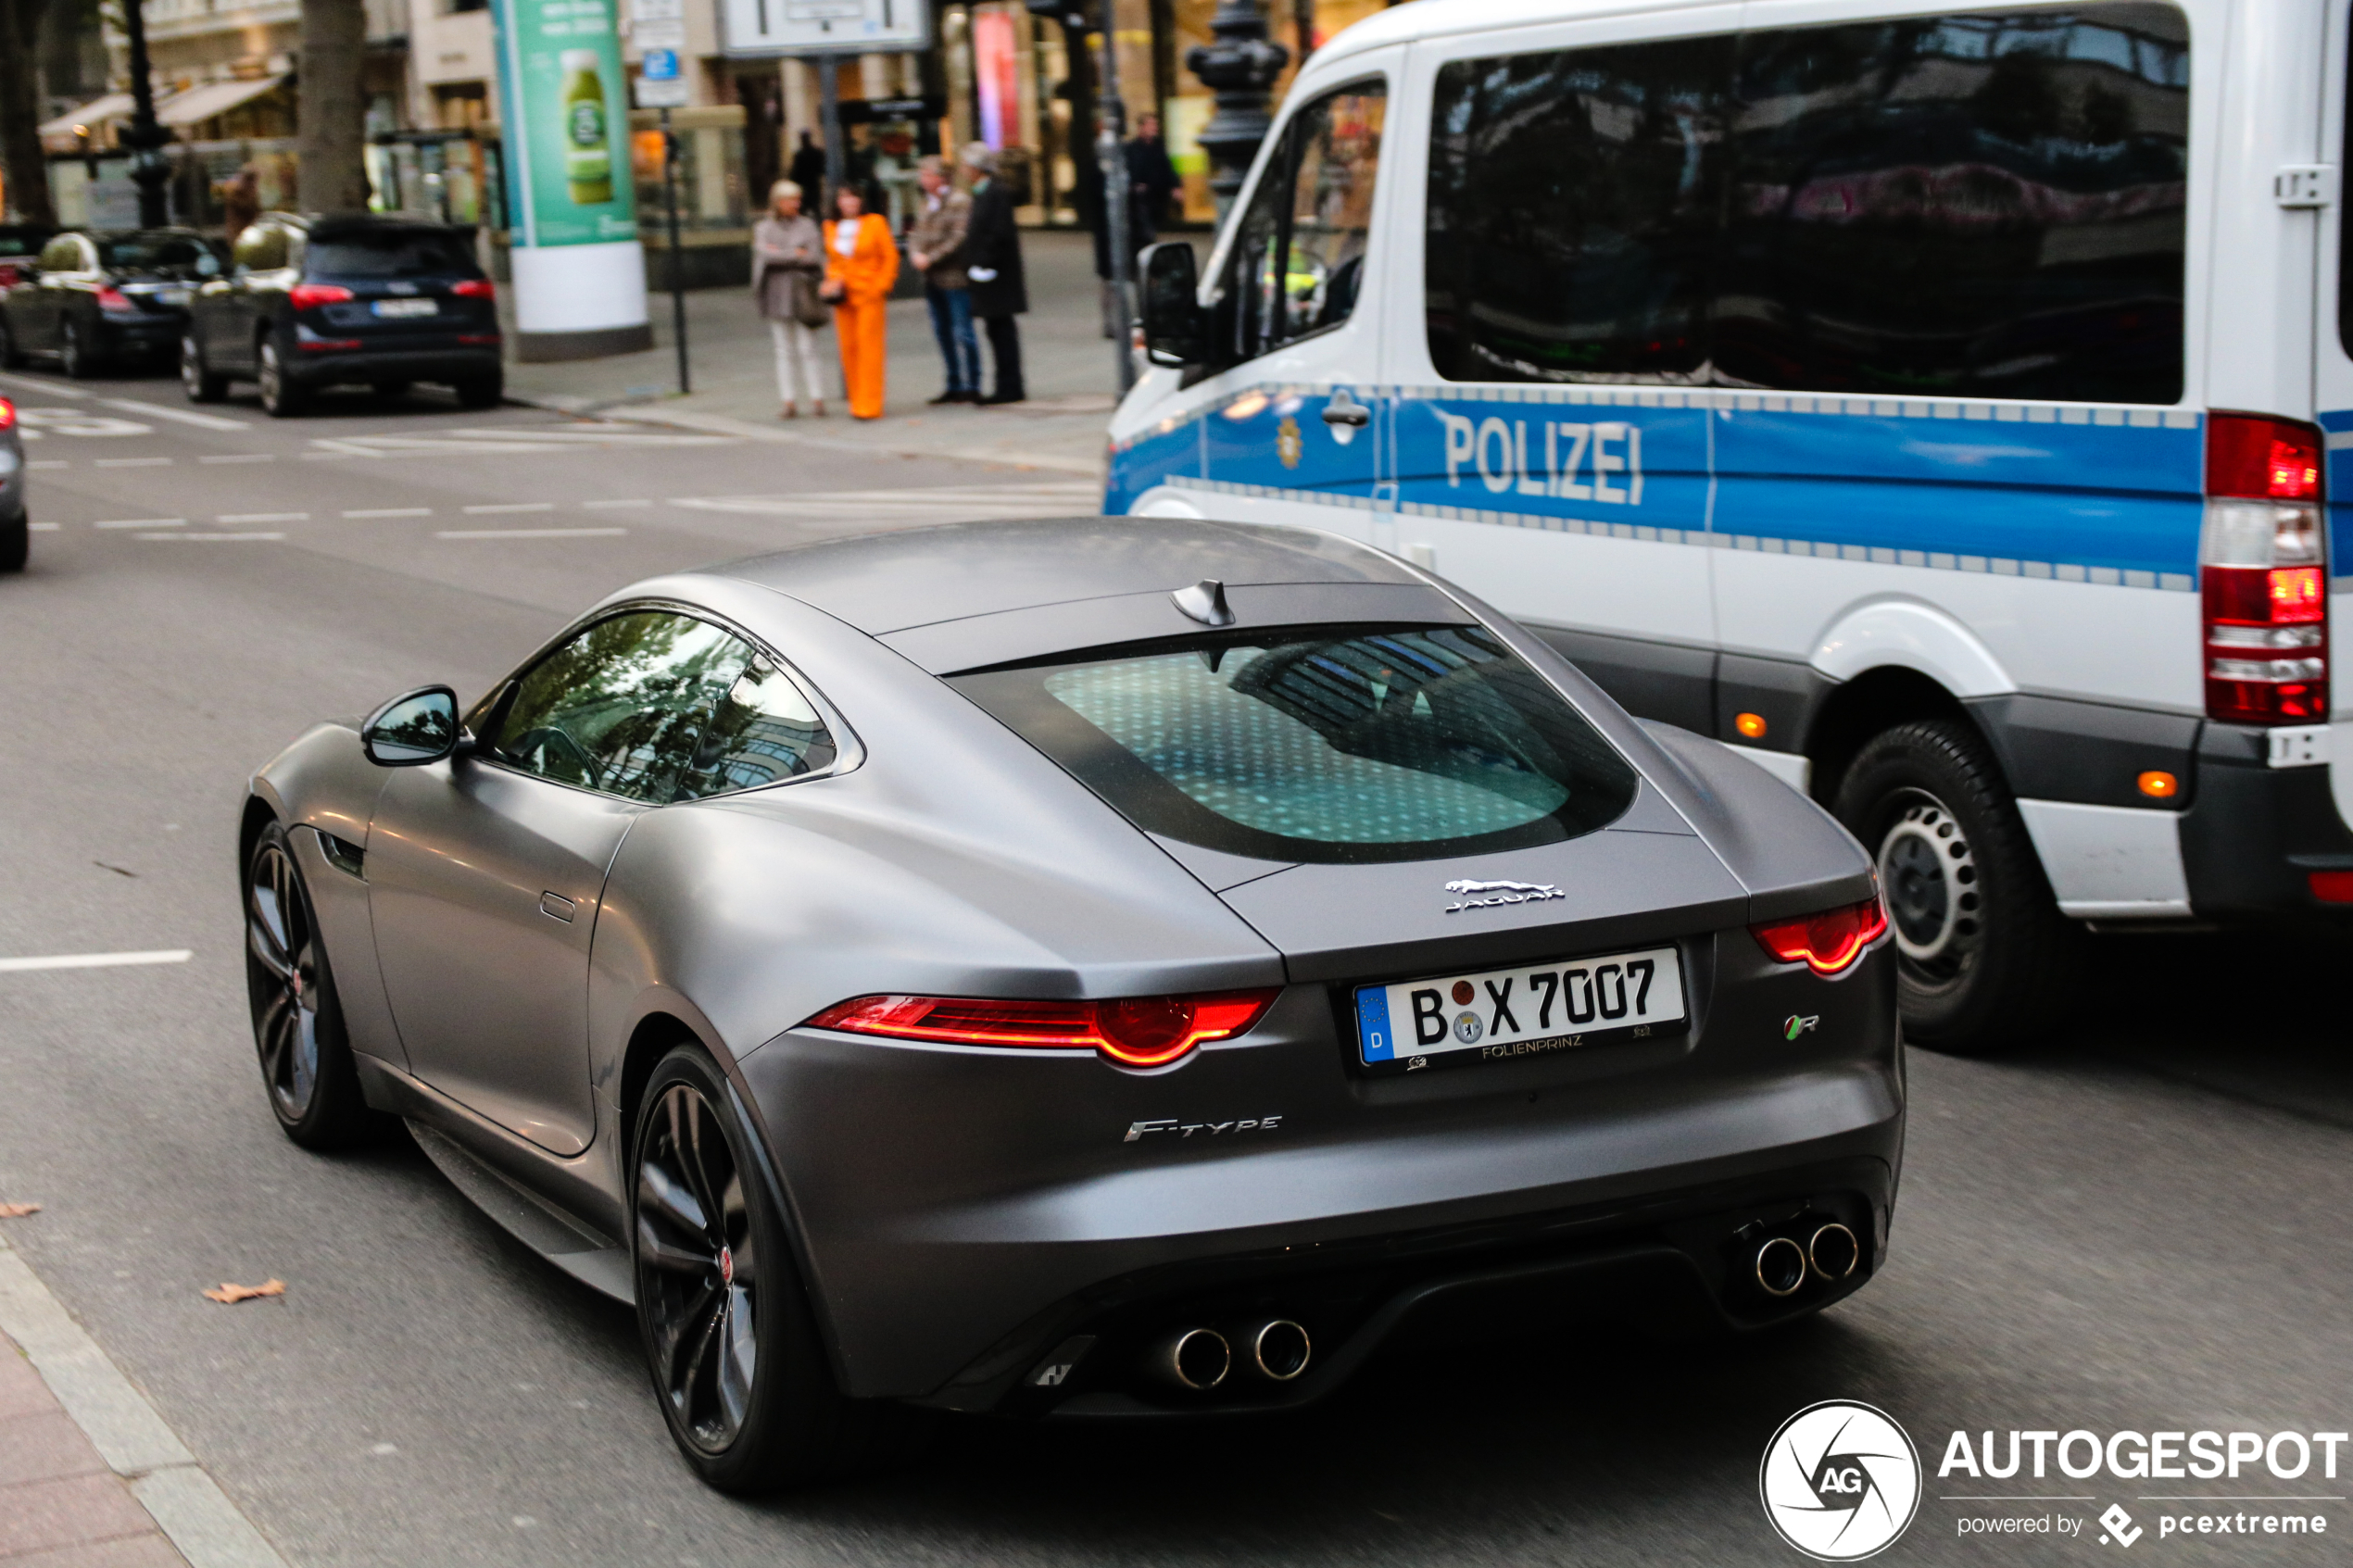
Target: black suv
(317, 302)
(98, 295)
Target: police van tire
(1981, 949)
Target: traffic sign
(755, 28)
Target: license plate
(393, 308)
(1532, 1009)
(172, 297)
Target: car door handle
(1345, 410)
(556, 904)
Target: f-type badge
(1467, 893)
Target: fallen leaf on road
(228, 1293)
(17, 1211)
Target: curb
(136, 1442)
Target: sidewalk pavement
(61, 1506)
(1070, 372)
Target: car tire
(390, 390)
(15, 543)
(11, 357)
(483, 392)
(202, 384)
(76, 361)
(306, 1068)
(738, 1366)
(281, 396)
(1981, 949)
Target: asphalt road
(2146, 1228)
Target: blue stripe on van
(2339, 422)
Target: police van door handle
(1345, 410)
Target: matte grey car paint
(958, 1209)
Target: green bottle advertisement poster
(565, 122)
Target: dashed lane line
(51, 463)
(41, 527)
(143, 523)
(135, 462)
(510, 507)
(184, 416)
(238, 458)
(390, 512)
(529, 532)
(231, 518)
(234, 538)
(49, 388)
(601, 506)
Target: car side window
(765, 730)
(1298, 260)
(619, 708)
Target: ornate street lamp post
(1238, 68)
(145, 138)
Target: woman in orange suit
(861, 262)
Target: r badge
(1795, 1025)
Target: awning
(96, 112)
(200, 104)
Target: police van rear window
(1322, 745)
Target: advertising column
(579, 272)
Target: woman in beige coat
(787, 268)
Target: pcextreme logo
(1840, 1481)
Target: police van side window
(1980, 204)
(1298, 260)
(1573, 201)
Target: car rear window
(1323, 744)
(401, 253)
(148, 254)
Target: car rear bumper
(445, 365)
(141, 337)
(965, 1212)
(2255, 833)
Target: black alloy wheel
(391, 390)
(737, 1364)
(297, 1025)
(281, 396)
(1981, 949)
(199, 381)
(483, 392)
(11, 357)
(73, 358)
(16, 543)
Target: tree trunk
(27, 170)
(330, 133)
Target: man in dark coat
(992, 254)
(809, 173)
(1151, 179)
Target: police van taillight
(2263, 572)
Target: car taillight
(1828, 942)
(7, 414)
(113, 298)
(302, 296)
(476, 288)
(2263, 571)
(1132, 1030)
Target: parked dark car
(101, 296)
(318, 302)
(19, 243)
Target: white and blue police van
(1937, 402)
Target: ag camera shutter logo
(1840, 1481)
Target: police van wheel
(1980, 945)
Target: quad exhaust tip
(1275, 1348)
(1781, 1266)
(1195, 1359)
(1833, 1251)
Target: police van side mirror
(1175, 328)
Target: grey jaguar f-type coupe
(1106, 967)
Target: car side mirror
(1175, 328)
(412, 729)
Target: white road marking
(239, 457)
(230, 536)
(624, 436)
(135, 462)
(41, 527)
(50, 462)
(598, 506)
(393, 511)
(529, 532)
(50, 388)
(136, 1442)
(77, 422)
(185, 416)
(143, 522)
(96, 960)
(262, 517)
(512, 507)
(944, 504)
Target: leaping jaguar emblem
(1502, 893)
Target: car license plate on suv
(394, 307)
(1530, 1009)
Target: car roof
(1439, 18)
(885, 582)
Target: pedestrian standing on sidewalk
(992, 262)
(808, 171)
(936, 248)
(787, 267)
(861, 262)
(1151, 179)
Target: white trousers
(795, 342)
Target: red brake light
(1826, 942)
(476, 288)
(302, 296)
(113, 298)
(2331, 887)
(1132, 1030)
(2262, 572)
(7, 414)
